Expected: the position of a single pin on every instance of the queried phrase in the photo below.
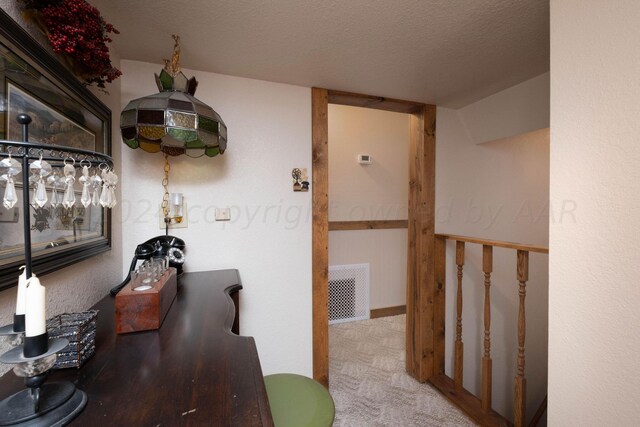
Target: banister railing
(495, 243)
(480, 408)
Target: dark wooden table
(192, 371)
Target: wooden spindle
(459, 347)
(487, 268)
(521, 382)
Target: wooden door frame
(425, 297)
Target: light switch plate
(223, 214)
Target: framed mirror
(66, 113)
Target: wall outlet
(183, 223)
(223, 214)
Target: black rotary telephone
(157, 247)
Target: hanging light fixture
(173, 121)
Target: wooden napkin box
(145, 310)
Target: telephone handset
(160, 246)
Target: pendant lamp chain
(165, 185)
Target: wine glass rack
(63, 400)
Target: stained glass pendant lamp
(173, 121)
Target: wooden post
(487, 268)
(422, 295)
(320, 234)
(459, 346)
(521, 382)
(412, 329)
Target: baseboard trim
(388, 311)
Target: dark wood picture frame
(28, 50)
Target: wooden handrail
(496, 243)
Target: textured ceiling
(445, 52)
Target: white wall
(386, 253)
(519, 109)
(77, 287)
(370, 192)
(497, 190)
(268, 237)
(594, 374)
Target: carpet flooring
(369, 385)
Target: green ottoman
(298, 401)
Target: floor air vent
(348, 293)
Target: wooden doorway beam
(376, 102)
(425, 302)
(320, 233)
(425, 299)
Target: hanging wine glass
(69, 171)
(96, 184)
(85, 179)
(9, 168)
(113, 181)
(109, 181)
(40, 169)
(104, 196)
(56, 181)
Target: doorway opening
(368, 194)
(424, 299)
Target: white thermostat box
(364, 159)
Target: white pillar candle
(22, 293)
(35, 318)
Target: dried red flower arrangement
(77, 30)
